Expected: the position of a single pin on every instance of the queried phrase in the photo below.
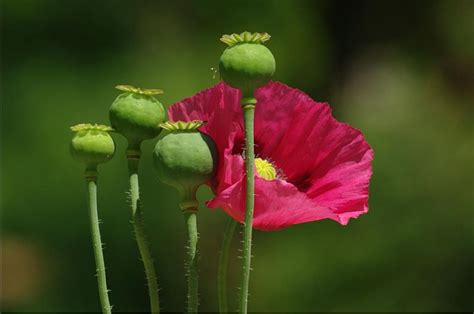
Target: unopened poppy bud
(185, 159)
(92, 144)
(246, 64)
(136, 114)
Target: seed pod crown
(92, 144)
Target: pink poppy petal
(273, 115)
(324, 158)
(334, 166)
(230, 172)
(202, 105)
(278, 204)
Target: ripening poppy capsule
(92, 144)
(246, 64)
(185, 159)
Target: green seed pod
(185, 159)
(136, 114)
(246, 64)
(92, 144)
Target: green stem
(249, 110)
(223, 260)
(190, 216)
(140, 236)
(97, 243)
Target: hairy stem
(97, 244)
(140, 236)
(190, 216)
(223, 260)
(249, 110)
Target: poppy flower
(309, 166)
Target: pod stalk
(91, 174)
(97, 243)
(140, 235)
(190, 217)
(249, 111)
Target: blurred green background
(401, 71)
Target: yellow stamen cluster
(265, 169)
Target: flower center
(265, 169)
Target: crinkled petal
(278, 204)
(232, 171)
(327, 160)
(276, 103)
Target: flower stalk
(133, 158)
(249, 112)
(223, 262)
(190, 217)
(91, 180)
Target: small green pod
(92, 144)
(185, 159)
(136, 114)
(246, 64)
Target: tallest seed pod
(247, 65)
(136, 114)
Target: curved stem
(190, 216)
(97, 244)
(140, 236)
(223, 260)
(249, 110)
